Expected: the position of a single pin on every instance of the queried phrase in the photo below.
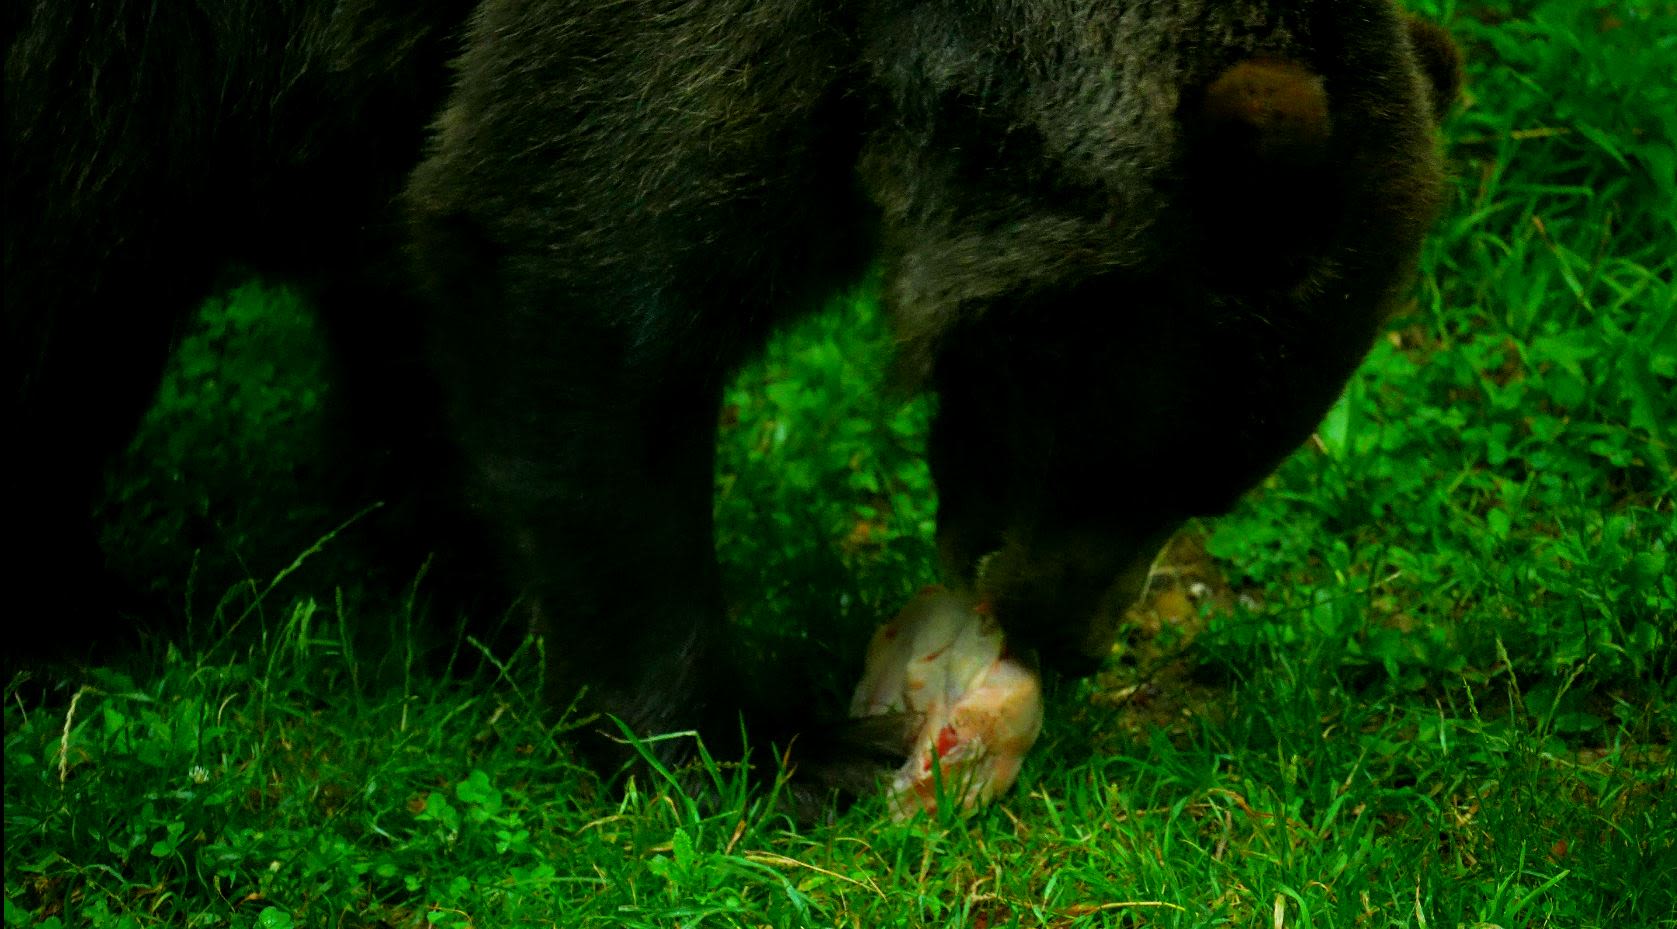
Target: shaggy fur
(1135, 246)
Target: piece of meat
(974, 710)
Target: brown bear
(1106, 228)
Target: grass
(1423, 677)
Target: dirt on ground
(1157, 683)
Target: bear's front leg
(592, 458)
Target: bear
(1105, 228)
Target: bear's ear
(1440, 62)
(1274, 109)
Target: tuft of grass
(231, 460)
(825, 504)
(262, 786)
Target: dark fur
(1133, 288)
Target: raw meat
(974, 710)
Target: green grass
(1437, 689)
